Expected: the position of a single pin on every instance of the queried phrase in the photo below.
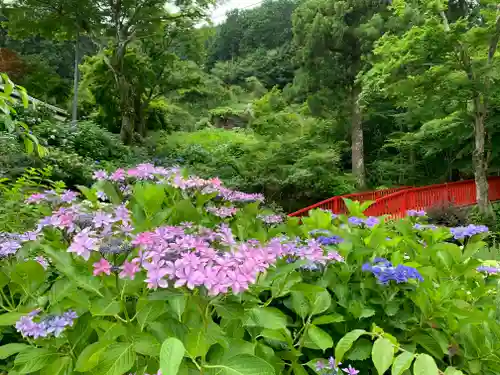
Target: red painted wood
(395, 202)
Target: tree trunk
(74, 112)
(358, 159)
(140, 120)
(480, 165)
(127, 111)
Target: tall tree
(334, 40)
(444, 72)
(117, 25)
(56, 19)
(155, 66)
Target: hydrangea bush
(152, 271)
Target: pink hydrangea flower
(118, 175)
(83, 243)
(129, 269)
(100, 175)
(36, 198)
(103, 266)
(350, 370)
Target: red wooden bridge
(395, 202)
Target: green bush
(86, 139)
(293, 171)
(230, 117)
(15, 214)
(69, 167)
(13, 158)
(168, 117)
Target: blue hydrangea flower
(356, 221)
(459, 233)
(371, 221)
(332, 240)
(424, 226)
(488, 270)
(384, 271)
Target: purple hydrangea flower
(8, 247)
(222, 212)
(271, 219)
(52, 325)
(350, 370)
(416, 213)
(69, 196)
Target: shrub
(184, 275)
(69, 167)
(13, 159)
(230, 117)
(293, 171)
(448, 215)
(169, 117)
(86, 139)
(15, 214)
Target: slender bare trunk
(480, 165)
(74, 112)
(140, 120)
(127, 111)
(358, 159)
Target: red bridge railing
(397, 201)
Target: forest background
(298, 99)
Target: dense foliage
(367, 95)
(152, 271)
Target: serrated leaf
(453, 371)
(60, 366)
(148, 311)
(118, 359)
(171, 354)
(146, 344)
(425, 365)
(346, 342)
(402, 363)
(178, 305)
(243, 364)
(33, 359)
(328, 319)
(360, 351)
(382, 355)
(59, 290)
(10, 349)
(266, 317)
(319, 337)
(10, 318)
(105, 307)
(300, 304)
(90, 356)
